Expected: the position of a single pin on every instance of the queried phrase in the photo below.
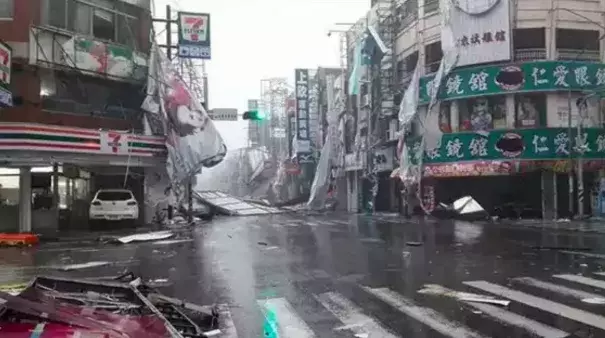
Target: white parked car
(114, 205)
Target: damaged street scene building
(476, 102)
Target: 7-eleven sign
(114, 142)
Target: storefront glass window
(529, 110)
(483, 113)
(9, 186)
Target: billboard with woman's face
(192, 139)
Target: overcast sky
(256, 39)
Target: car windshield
(114, 195)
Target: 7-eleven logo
(194, 28)
(114, 142)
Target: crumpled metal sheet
(87, 318)
(192, 139)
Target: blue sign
(194, 35)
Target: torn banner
(174, 110)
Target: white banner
(191, 137)
(482, 31)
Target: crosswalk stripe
(581, 253)
(541, 304)
(511, 318)
(562, 290)
(595, 283)
(352, 316)
(228, 327)
(426, 316)
(288, 322)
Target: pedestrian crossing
(554, 306)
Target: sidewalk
(96, 236)
(589, 225)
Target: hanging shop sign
(223, 114)
(383, 159)
(194, 35)
(526, 144)
(526, 77)
(355, 161)
(36, 137)
(481, 30)
(303, 146)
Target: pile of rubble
(122, 307)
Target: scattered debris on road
(146, 237)
(122, 307)
(81, 266)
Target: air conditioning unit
(365, 100)
(392, 131)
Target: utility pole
(169, 49)
(570, 138)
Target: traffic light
(255, 115)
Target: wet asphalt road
(359, 276)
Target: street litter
(146, 237)
(173, 241)
(122, 307)
(81, 266)
(438, 290)
(465, 208)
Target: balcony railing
(527, 54)
(578, 55)
(53, 48)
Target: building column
(549, 195)
(25, 199)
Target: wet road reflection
(347, 275)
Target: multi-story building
(78, 75)
(514, 126)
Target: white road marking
(546, 305)
(227, 327)
(595, 283)
(562, 290)
(511, 318)
(288, 322)
(586, 254)
(352, 316)
(426, 316)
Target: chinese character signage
(481, 29)
(522, 144)
(527, 77)
(194, 35)
(302, 104)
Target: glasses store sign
(516, 78)
(523, 144)
(194, 35)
